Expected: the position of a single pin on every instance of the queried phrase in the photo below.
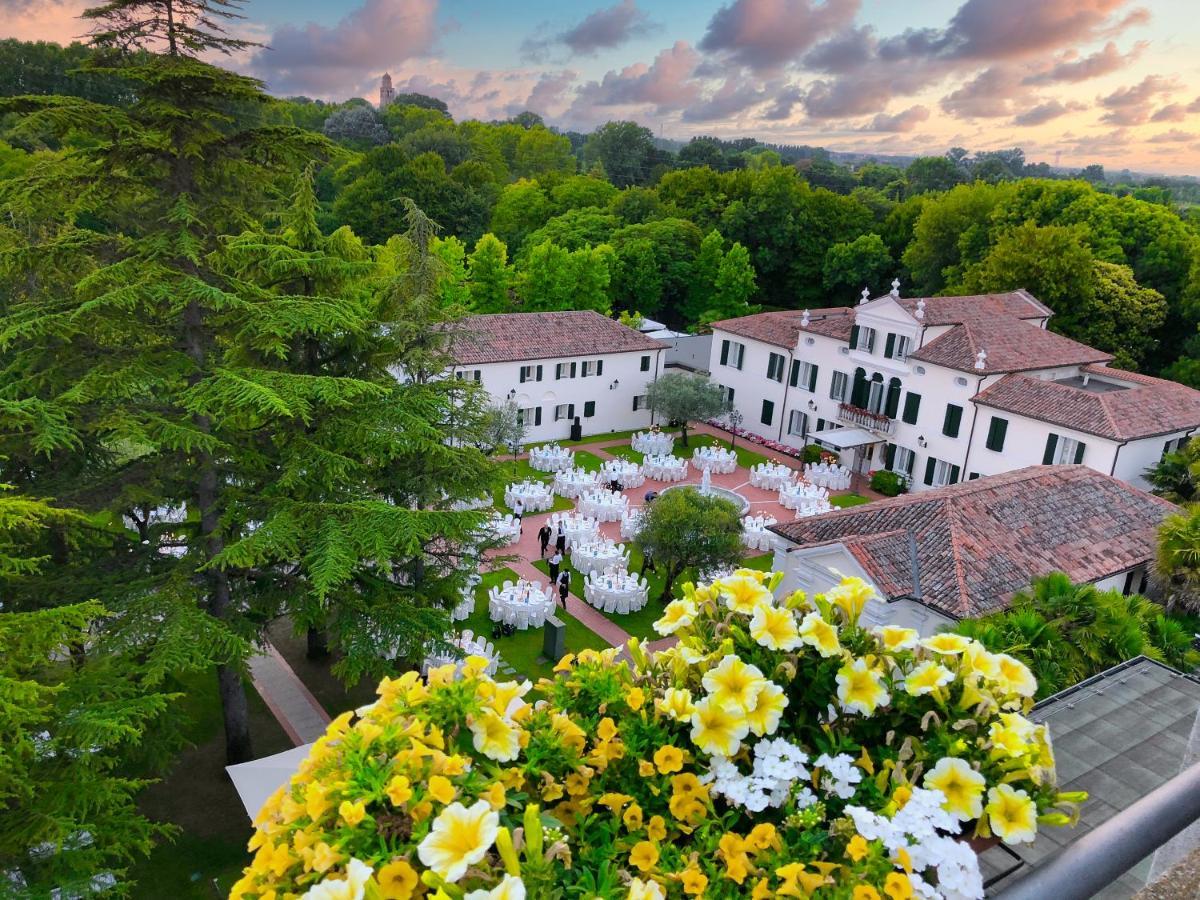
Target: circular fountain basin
(734, 497)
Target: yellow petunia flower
(857, 848)
(440, 789)
(947, 644)
(961, 785)
(656, 830)
(668, 759)
(1014, 677)
(323, 858)
(635, 698)
(865, 892)
(1012, 814)
(775, 628)
(676, 703)
(645, 768)
(645, 890)
(718, 728)
(511, 887)
(495, 795)
(762, 837)
(352, 812)
(820, 635)
(607, 729)
(860, 689)
(850, 596)
(693, 880)
(461, 836)
(926, 678)
(897, 886)
(678, 614)
(350, 886)
(643, 856)
(797, 882)
(397, 880)
(633, 817)
(768, 709)
(895, 638)
(494, 737)
(615, 802)
(744, 593)
(734, 682)
(978, 660)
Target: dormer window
(862, 338)
(896, 347)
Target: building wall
(690, 351)
(1137, 456)
(614, 405)
(750, 384)
(1025, 445)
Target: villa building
(961, 551)
(946, 389)
(561, 369)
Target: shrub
(888, 483)
(812, 453)
(778, 748)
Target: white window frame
(900, 348)
(526, 415)
(866, 339)
(796, 417)
(562, 370)
(562, 411)
(1065, 450)
(876, 400)
(772, 374)
(529, 373)
(835, 394)
(805, 376)
(589, 368)
(941, 472)
(639, 402)
(901, 459)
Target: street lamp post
(735, 418)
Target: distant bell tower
(386, 92)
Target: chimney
(896, 288)
(804, 319)
(921, 308)
(866, 296)
(981, 359)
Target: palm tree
(1177, 565)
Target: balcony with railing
(864, 418)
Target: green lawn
(844, 500)
(198, 796)
(625, 451)
(519, 470)
(589, 462)
(523, 650)
(640, 624)
(746, 456)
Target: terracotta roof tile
(979, 541)
(511, 337)
(952, 310)
(1011, 344)
(1144, 407)
(782, 328)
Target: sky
(1071, 81)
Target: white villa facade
(946, 389)
(559, 368)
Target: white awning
(844, 438)
(258, 779)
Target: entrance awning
(257, 780)
(844, 438)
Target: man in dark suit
(544, 537)
(555, 562)
(564, 585)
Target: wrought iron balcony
(864, 418)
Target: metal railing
(864, 418)
(1088, 865)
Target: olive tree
(682, 398)
(685, 529)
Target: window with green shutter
(997, 430)
(953, 420)
(768, 412)
(912, 407)
(724, 353)
(645, 363)
(1051, 449)
(589, 409)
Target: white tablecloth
(573, 482)
(464, 645)
(551, 458)
(814, 508)
(523, 604)
(754, 532)
(625, 471)
(533, 494)
(652, 443)
(771, 476)
(503, 528)
(802, 496)
(719, 460)
(477, 503)
(619, 592)
(665, 468)
(631, 521)
(604, 506)
(595, 556)
(836, 478)
(576, 527)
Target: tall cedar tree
(146, 330)
(352, 513)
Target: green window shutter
(724, 353)
(1079, 452)
(539, 373)
(871, 341)
(1051, 446)
(997, 431)
(768, 412)
(573, 369)
(522, 374)
(890, 346)
(537, 416)
(570, 410)
(952, 421)
(954, 471)
(599, 367)
(892, 404)
(645, 364)
(853, 337)
(635, 403)
(929, 465)
(890, 456)
(794, 377)
(912, 407)
(558, 372)
(589, 409)
(912, 461)
(812, 378)
(858, 393)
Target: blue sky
(1110, 81)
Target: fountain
(706, 489)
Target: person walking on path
(564, 585)
(560, 542)
(518, 514)
(544, 537)
(555, 562)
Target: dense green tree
(554, 278)
(850, 266)
(403, 119)
(932, 173)
(358, 127)
(682, 398)
(673, 244)
(1051, 262)
(951, 233)
(452, 286)
(575, 229)
(489, 276)
(624, 149)
(734, 287)
(685, 529)
(636, 205)
(705, 271)
(521, 208)
(541, 152)
(637, 281)
(580, 192)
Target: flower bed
(777, 750)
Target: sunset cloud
(764, 35)
(1130, 105)
(603, 29)
(904, 121)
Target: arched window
(859, 391)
